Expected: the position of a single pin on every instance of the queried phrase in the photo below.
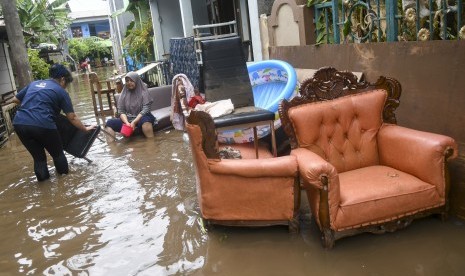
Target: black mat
(75, 141)
(224, 71)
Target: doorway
(220, 11)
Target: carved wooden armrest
(313, 169)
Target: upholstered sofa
(245, 191)
(362, 172)
(161, 105)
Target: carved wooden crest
(328, 83)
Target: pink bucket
(127, 130)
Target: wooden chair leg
(255, 141)
(273, 139)
(294, 225)
(327, 238)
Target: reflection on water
(134, 211)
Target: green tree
(39, 66)
(92, 47)
(46, 21)
(78, 49)
(139, 42)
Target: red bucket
(127, 130)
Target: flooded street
(134, 211)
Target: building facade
(171, 19)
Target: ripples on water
(115, 215)
(133, 210)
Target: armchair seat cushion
(376, 194)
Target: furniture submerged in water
(362, 172)
(242, 192)
(160, 96)
(102, 99)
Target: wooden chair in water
(101, 109)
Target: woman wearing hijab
(40, 105)
(133, 108)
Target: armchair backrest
(338, 118)
(342, 131)
(225, 73)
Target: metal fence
(339, 21)
(159, 75)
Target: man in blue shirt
(41, 102)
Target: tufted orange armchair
(242, 192)
(362, 172)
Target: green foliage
(139, 41)
(46, 21)
(78, 49)
(325, 35)
(92, 47)
(365, 21)
(311, 3)
(347, 27)
(39, 66)
(129, 28)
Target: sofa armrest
(312, 168)
(313, 171)
(419, 153)
(285, 166)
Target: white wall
(287, 32)
(158, 46)
(118, 27)
(245, 22)
(255, 30)
(187, 17)
(170, 22)
(6, 78)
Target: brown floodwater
(134, 211)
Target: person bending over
(133, 109)
(40, 104)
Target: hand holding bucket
(126, 130)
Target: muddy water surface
(133, 211)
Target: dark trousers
(37, 140)
(116, 123)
